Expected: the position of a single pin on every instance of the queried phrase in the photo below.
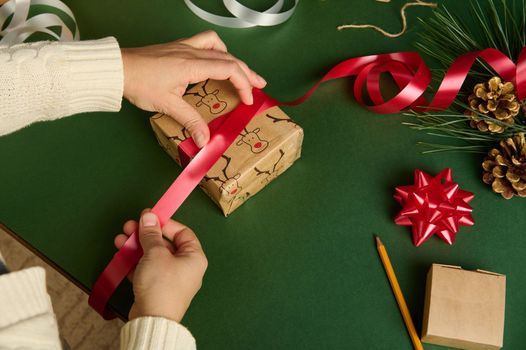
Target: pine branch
(500, 24)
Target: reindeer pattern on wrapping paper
(279, 120)
(180, 136)
(183, 133)
(183, 136)
(272, 173)
(229, 184)
(253, 140)
(209, 99)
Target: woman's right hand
(156, 77)
(171, 270)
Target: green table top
(295, 266)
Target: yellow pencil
(398, 294)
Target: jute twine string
(402, 14)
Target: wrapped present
(464, 309)
(268, 146)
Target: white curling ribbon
(21, 27)
(244, 17)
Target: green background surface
(295, 267)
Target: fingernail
(261, 81)
(250, 99)
(199, 139)
(149, 220)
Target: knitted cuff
(149, 333)
(96, 75)
(23, 295)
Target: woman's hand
(170, 272)
(156, 77)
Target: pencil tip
(378, 241)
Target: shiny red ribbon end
(433, 205)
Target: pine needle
(500, 24)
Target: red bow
(434, 205)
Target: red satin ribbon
(407, 69)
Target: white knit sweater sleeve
(27, 320)
(155, 333)
(50, 80)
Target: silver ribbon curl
(245, 17)
(21, 27)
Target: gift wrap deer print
(268, 145)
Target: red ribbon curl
(408, 70)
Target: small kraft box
(268, 145)
(464, 309)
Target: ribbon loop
(22, 27)
(245, 17)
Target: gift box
(464, 309)
(268, 145)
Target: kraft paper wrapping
(464, 309)
(267, 147)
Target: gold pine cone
(495, 99)
(505, 167)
